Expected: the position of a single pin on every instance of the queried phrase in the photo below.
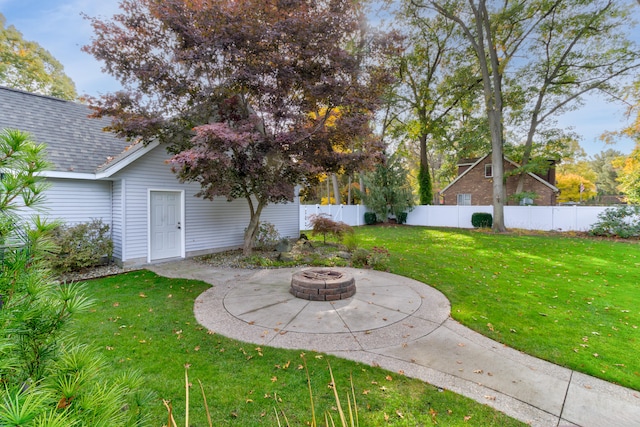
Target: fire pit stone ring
(322, 284)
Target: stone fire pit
(322, 284)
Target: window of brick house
(488, 171)
(464, 199)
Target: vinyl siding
(209, 225)
(117, 210)
(76, 201)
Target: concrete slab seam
(566, 394)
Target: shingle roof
(75, 142)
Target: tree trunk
(492, 83)
(328, 192)
(497, 165)
(349, 192)
(336, 189)
(528, 145)
(252, 229)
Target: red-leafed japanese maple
(241, 90)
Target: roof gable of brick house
(474, 184)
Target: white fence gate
(545, 218)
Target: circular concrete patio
(386, 310)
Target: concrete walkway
(404, 325)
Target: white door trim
(182, 221)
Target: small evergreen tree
(388, 191)
(47, 380)
(426, 189)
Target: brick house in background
(474, 184)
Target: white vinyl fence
(546, 218)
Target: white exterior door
(165, 230)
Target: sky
(57, 25)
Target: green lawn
(573, 301)
(145, 322)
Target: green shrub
(621, 221)
(401, 218)
(359, 258)
(322, 224)
(377, 258)
(370, 218)
(351, 242)
(481, 220)
(267, 236)
(81, 246)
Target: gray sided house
(95, 175)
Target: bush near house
(267, 236)
(81, 246)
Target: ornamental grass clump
(347, 415)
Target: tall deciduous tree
(575, 188)
(28, 66)
(556, 50)
(578, 48)
(242, 90)
(430, 87)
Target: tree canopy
(242, 91)
(536, 59)
(629, 175)
(28, 66)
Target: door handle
(179, 227)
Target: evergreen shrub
(370, 218)
(401, 218)
(481, 220)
